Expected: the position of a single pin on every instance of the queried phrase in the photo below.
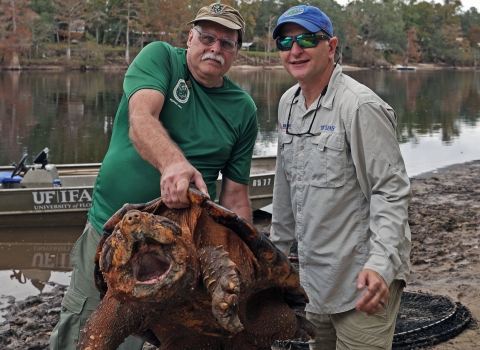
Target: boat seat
(6, 178)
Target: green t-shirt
(215, 128)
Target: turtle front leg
(108, 326)
(220, 278)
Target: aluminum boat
(46, 194)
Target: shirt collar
(333, 85)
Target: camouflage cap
(223, 14)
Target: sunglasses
(210, 39)
(305, 41)
(309, 132)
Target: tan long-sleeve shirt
(343, 193)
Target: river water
(72, 114)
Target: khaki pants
(353, 330)
(81, 298)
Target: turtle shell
(169, 267)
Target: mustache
(212, 56)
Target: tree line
(370, 32)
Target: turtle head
(147, 258)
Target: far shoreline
(346, 67)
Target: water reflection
(38, 278)
(72, 113)
(29, 257)
(428, 102)
(69, 112)
(266, 87)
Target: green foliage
(422, 16)
(470, 18)
(249, 10)
(369, 31)
(91, 52)
(454, 49)
(42, 33)
(98, 15)
(45, 8)
(373, 29)
(268, 13)
(438, 30)
(286, 4)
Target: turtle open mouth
(150, 264)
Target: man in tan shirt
(341, 190)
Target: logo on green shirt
(181, 92)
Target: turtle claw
(225, 303)
(220, 278)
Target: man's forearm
(243, 209)
(149, 137)
(153, 143)
(234, 196)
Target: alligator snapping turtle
(195, 278)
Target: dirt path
(445, 224)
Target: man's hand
(375, 296)
(176, 178)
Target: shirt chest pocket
(286, 151)
(327, 162)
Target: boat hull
(68, 205)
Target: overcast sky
(466, 3)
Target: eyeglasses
(305, 41)
(309, 132)
(210, 39)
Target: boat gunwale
(96, 166)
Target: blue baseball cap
(309, 17)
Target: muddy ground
(445, 224)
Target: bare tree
(128, 12)
(97, 15)
(271, 22)
(15, 35)
(72, 13)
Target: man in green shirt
(180, 121)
